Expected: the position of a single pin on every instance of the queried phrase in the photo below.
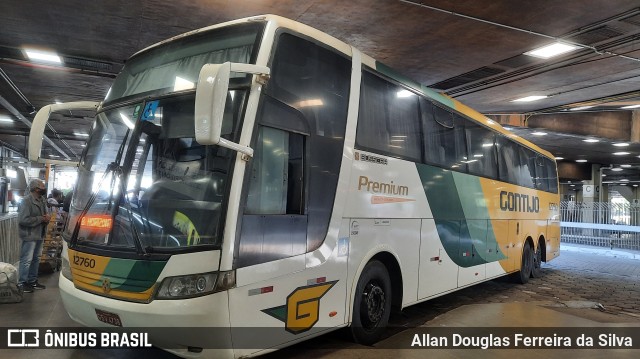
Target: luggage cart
(51, 259)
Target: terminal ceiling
(472, 50)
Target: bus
(260, 176)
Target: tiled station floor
(585, 286)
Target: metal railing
(601, 224)
(9, 240)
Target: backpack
(9, 290)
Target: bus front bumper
(185, 327)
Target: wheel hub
(374, 299)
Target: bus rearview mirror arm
(36, 134)
(211, 97)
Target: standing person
(32, 220)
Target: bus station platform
(584, 288)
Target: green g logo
(302, 310)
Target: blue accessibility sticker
(149, 113)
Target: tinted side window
(516, 164)
(527, 169)
(388, 121)
(276, 185)
(313, 82)
(482, 150)
(445, 143)
(542, 177)
(552, 174)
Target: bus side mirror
(211, 97)
(36, 134)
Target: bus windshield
(143, 181)
(175, 65)
(152, 184)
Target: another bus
(262, 175)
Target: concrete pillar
(635, 126)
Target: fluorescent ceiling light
(591, 140)
(552, 50)
(581, 161)
(617, 169)
(80, 134)
(539, 133)
(626, 166)
(559, 158)
(43, 56)
(5, 119)
(580, 108)
(624, 180)
(623, 184)
(530, 98)
(630, 106)
(487, 144)
(620, 153)
(621, 144)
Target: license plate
(109, 318)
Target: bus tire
(372, 304)
(536, 270)
(526, 265)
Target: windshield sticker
(149, 113)
(183, 224)
(136, 111)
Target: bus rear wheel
(536, 270)
(526, 265)
(372, 304)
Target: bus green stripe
(132, 275)
(461, 215)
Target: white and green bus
(262, 174)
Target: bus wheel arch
(539, 256)
(377, 289)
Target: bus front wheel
(372, 304)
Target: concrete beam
(613, 125)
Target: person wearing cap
(32, 222)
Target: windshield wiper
(136, 237)
(74, 237)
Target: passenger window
(482, 151)
(388, 122)
(552, 173)
(444, 137)
(542, 177)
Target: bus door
(514, 245)
(289, 190)
(438, 272)
(472, 252)
(498, 261)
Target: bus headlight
(187, 286)
(65, 269)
